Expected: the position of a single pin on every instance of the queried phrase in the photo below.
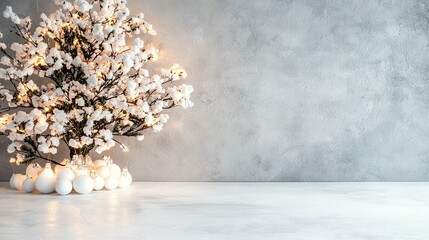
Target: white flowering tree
(75, 80)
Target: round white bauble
(18, 180)
(98, 183)
(28, 184)
(66, 174)
(33, 169)
(111, 183)
(99, 163)
(125, 179)
(103, 171)
(115, 170)
(12, 179)
(83, 184)
(63, 186)
(45, 182)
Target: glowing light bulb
(153, 54)
(3, 120)
(65, 24)
(39, 61)
(154, 121)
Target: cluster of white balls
(63, 179)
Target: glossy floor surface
(222, 211)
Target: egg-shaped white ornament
(18, 180)
(28, 185)
(125, 179)
(83, 184)
(111, 183)
(66, 174)
(98, 183)
(115, 170)
(12, 179)
(63, 186)
(99, 163)
(103, 171)
(45, 182)
(33, 169)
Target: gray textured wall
(287, 90)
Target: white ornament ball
(28, 185)
(33, 169)
(83, 184)
(12, 179)
(65, 174)
(125, 179)
(63, 186)
(115, 170)
(103, 171)
(98, 183)
(18, 180)
(111, 183)
(45, 182)
(99, 163)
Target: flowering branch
(98, 85)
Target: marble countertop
(222, 211)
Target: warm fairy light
(66, 24)
(39, 61)
(76, 16)
(153, 122)
(153, 54)
(177, 70)
(110, 21)
(3, 120)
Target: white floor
(222, 211)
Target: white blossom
(80, 102)
(73, 143)
(83, 5)
(140, 137)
